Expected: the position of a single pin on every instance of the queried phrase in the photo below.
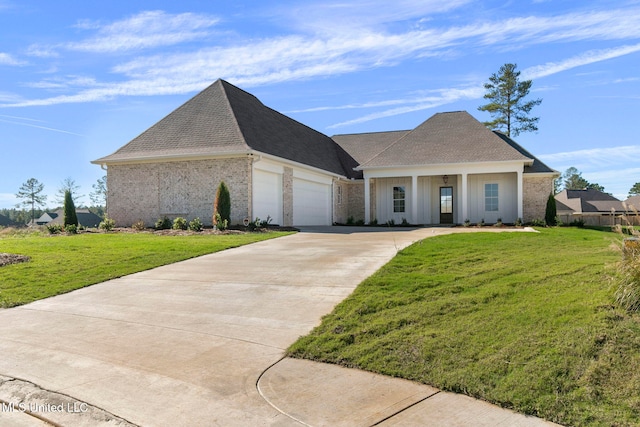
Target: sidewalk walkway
(185, 344)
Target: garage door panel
(267, 196)
(311, 203)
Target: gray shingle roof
(454, 137)
(537, 166)
(589, 201)
(224, 119)
(364, 146)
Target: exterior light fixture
(445, 178)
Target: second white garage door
(311, 203)
(267, 196)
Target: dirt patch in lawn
(6, 259)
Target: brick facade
(148, 191)
(535, 192)
(287, 197)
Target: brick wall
(535, 191)
(287, 197)
(148, 191)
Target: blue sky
(80, 79)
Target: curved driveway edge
(184, 344)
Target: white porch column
(367, 200)
(464, 199)
(414, 199)
(520, 195)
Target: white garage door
(267, 196)
(311, 203)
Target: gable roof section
(364, 146)
(537, 166)
(223, 119)
(454, 137)
(633, 202)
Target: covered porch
(444, 195)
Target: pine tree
(31, 191)
(507, 105)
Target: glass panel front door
(446, 205)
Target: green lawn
(522, 320)
(63, 263)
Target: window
(446, 200)
(398, 199)
(491, 197)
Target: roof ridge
(224, 84)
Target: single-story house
(86, 218)
(589, 205)
(448, 169)
(633, 202)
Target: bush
(374, 221)
(180, 223)
(107, 224)
(550, 214)
(138, 225)
(627, 293)
(71, 229)
(163, 223)
(467, 222)
(519, 222)
(55, 228)
(360, 222)
(195, 224)
(222, 205)
(223, 224)
(350, 220)
(70, 217)
(577, 223)
(538, 222)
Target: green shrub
(107, 224)
(577, 223)
(538, 222)
(223, 224)
(266, 222)
(519, 222)
(55, 228)
(138, 225)
(222, 205)
(350, 220)
(360, 222)
(195, 224)
(71, 229)
(467, 222)
(163, 223)
(374, 221)
(550, 214)
(70, 217)
(180, 224)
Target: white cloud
(585, 58)
(295, 57)
(144, 30)
(6, 59)
(28, 122)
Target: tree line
(33, 201)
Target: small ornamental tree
(70, 217)
(550, 213)
(222, 204)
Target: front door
(446, 205)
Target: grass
(522, 320)
(63, 263)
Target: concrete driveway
(185, 344)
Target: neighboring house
(85, 218)
(47, 217)
(448, 169)
(633, 202)
(589, 205)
